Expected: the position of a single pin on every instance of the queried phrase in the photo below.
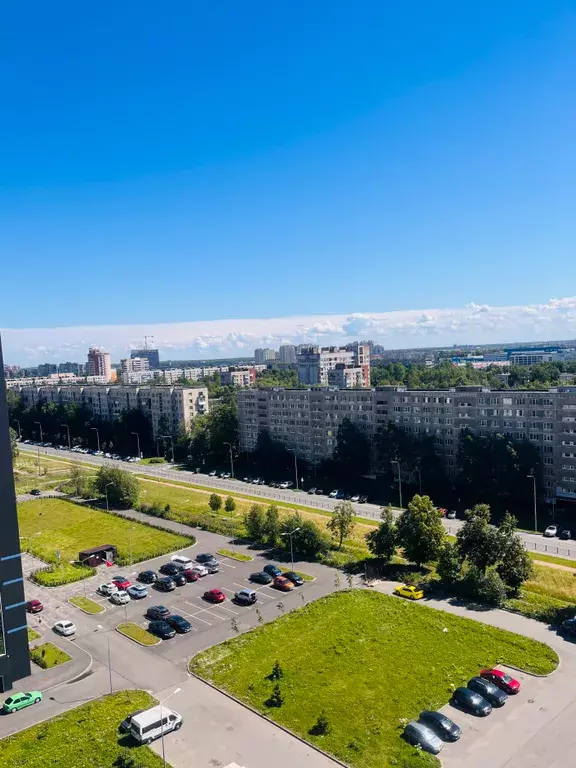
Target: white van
(183, 561)
(150, 724)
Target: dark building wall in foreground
(14, 658)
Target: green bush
(156, 460)
(58, 575)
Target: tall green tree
(477, 540)
(215, 502)
(308, 543)
(449, 564)
(121, 487)
(352, 455)
(341, 524)
(13, 444)
(382, 541)
(420, 530)
(255, 522)
(272, 526)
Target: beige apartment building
(308, 420)
(178, 405)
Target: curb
(88, 613)
(142, 645)
(267, 719)
(236, 559)
(533, 674)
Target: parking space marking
(227, 564)
(228, 609)
(207, 610)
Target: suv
(166, 584)
(147, 577)
(178, 623)
(182, 561)
(169, 569)
(245, 597)
(205, 557)
(157, 612)
(422, 736)
(471, 701)
(272, 570)
(488, 690)
(161, 629)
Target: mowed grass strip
(234, 555)
(86, 605)
(85, 737)
(48, 655)
(137, 633)
(49, 525)
(33, 635)
(370, 662)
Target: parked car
(65, 628)
(214, 596)
(212, 473)
(319, 492)
(201, 570)
(283, 584)
(205, 557)
(182, 561)
(169, 569)
(179, 579)
(124, 726)
(121, 582)
(409, 591)
(471, 701)
(35, 492)
(212, 566)
(137, 591)
(488, 690)
(565, 534)
(355, 498)
(568, 627)
(148, 577)
(551, 531)
(292, 576)
(261, 578)
(191, 575)
(179, 623)
(312, 491)
(21, 700)
(363, 499)
(166, 584)
(499, 678)
(256, 481)
(442, 725)
(120, 598)
(157, 612)
(34, 606)
(107, 589)
(451, 514)
(246, 597)
(334, 493)
(161, 629)
(272, 570)
(422, 736)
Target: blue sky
(195, 162)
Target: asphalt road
(532, 542)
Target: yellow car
(409, 591)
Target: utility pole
(293, 450)
(231, 459)
(137, 443)
(399, 480)
(68, 431)
(535, 503)
(41, 441)
(97, 436)
(106, 492)
(290, 534)
(19, 430)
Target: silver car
(420, 735)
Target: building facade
(14, 653)
(152, 355)
(315, 363)
(263, 356)
(308, 421)
(99, 363)
(287, 354)
(243, 377)
(171, 409)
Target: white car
(333, 494)
(355, 498)
(120, 597)
(65, 628)
(183, 561)
(107, 589)
(551, 531)
(201, 570)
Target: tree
(229, 504)
(516, 566)
(120, 486)
(420, 530)
(215, 502)
(382, 541)
(276, 698)
(321, 727)
(479, 541)
(352, 455)
(77, 479)
(13, 443)
(308, 543)
(255, 523)
(449, 564)
(486, 587)
(277, 671)
(341, 524)
(272, 526)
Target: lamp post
(99, 627)
(399, 480)
(169, 437)
(19, 430)
(176, 690)
(293, 450)
(68, 432)
(97, 436)
(41, 441)
(290, 534)
(231, 459)
(535, 505)
(137, 443)
(106, 492)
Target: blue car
(137, 591)
(272, 570)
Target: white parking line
(227, 564)
(228, 609)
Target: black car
(35, 492)
(565, 534)
(294, 578)
(179, 623)
(470, 701)
(363, 499)
(488, 690)
(166, 584)
(205, 557)
(261, 578)
(319, 492)
(157, 612)
(442, 725)
(169, 569)
(568, 627)
(124, 726)
(161, 629)
(179, 579)
(147, 577)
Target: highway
(532, 541)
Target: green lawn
(87, 605)
(234, 555)
(369, 661)
(135, 632)
(54, 524)
(85, 737)
(552, 559)
(48, 655)
(33, 635)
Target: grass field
(553, 582)
(33, 635)
(553, 559)
(369, 662)
(48, 655)
(234, 555)
(141, 635)
(49, 525)
(85, 604)
(85, 737)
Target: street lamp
(231, 459)
(176, 690)
(106, 492)
(290, 534)
(98, 628)
(535, 505)
(169, 437)
(41, 441)
(97, 436)
(68, 431)
(19, 430)
(399, 480)
(137, 443)
(293, 450)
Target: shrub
(157, 460)
(486, 587)
(215, 502)
(229, 504)
(321, 727)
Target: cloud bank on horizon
(472, 324)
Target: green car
(21, 700)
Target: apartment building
(308, 420)
(152, 355)
(177, 407)
(287, 354)
(99, 363)
(315, 363)
(346, 377)
(243, 377)
(263, 356)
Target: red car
(34, 606)
(283, 584)
(121, 582)
(191, 575)
(214, 596)
(506, 683)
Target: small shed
(105, 553)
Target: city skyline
(221, 339)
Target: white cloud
(473, 323)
